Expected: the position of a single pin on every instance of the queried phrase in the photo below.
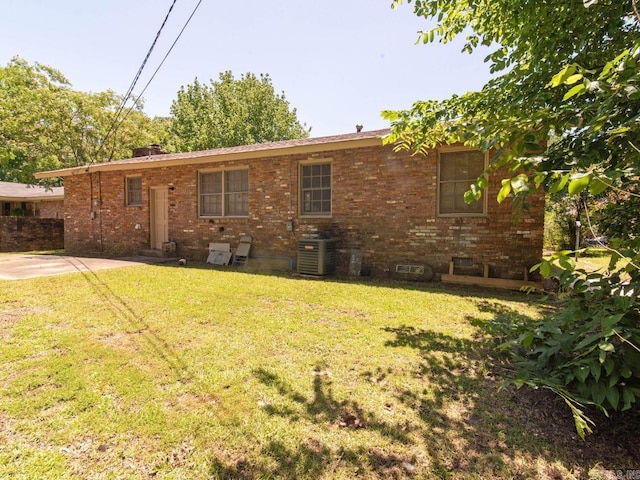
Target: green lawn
(168, 372)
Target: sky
(338, 62)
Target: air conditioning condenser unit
(316, 256)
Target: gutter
(32, 199)
(245, 152)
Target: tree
(232, 112)
(563, 114)
(45, 124)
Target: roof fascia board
(214, 158)
(4, 198)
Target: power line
(144, 62)
(135, 101)
(134, 82)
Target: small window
(224, 193)
(315, 189)
(457, 171)
(134, 191)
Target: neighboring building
(19, 199)
(393, 208)
(30, 218)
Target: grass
(166, 372)
(596, 260)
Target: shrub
(587, 352)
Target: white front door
(159, 216)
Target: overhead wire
(112, 127)
(135, 100)
(146, 58)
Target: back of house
(391, 212)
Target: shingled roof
(257, 150)
(21, 192)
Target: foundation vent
(410, 269)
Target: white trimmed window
(315, 189)
(224, 193)
(457, 170)
(134, 191)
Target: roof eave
(213, 157)
(5, 198)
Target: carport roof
(257, 150)
(21, 192)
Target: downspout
(290, 219)
(100, 210)
(91, 212)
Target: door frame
(153, 216)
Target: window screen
(315, 189)
(134, 191)
(224, 193)
(458, 170)
(237, 192)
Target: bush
(19, 212)
(588, 351)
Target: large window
(134, 191)
(224, 193)
(457, 171)
(315, 189)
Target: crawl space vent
(410, 269)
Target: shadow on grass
(123, 312)
(463, 428)
(324, 408)
(462, 425)
(488, 431)
(458, 427)
(313, 458)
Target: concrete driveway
(16, 266)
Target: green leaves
(570, 75)
(597, 186)
(578, 183)
(576, 90)
(231, 112)
(587, 352)
(546, 88)
(52, 126)
(504, 191)
(516, 185)
(559, 184)
(566, 76)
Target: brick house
(30, 200)
(30, 217)
(392, 208)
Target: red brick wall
(384, 204)
(25, 234)
(54, 209)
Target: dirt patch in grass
(614, 442)
(12, 313)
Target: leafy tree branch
(563, 114)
